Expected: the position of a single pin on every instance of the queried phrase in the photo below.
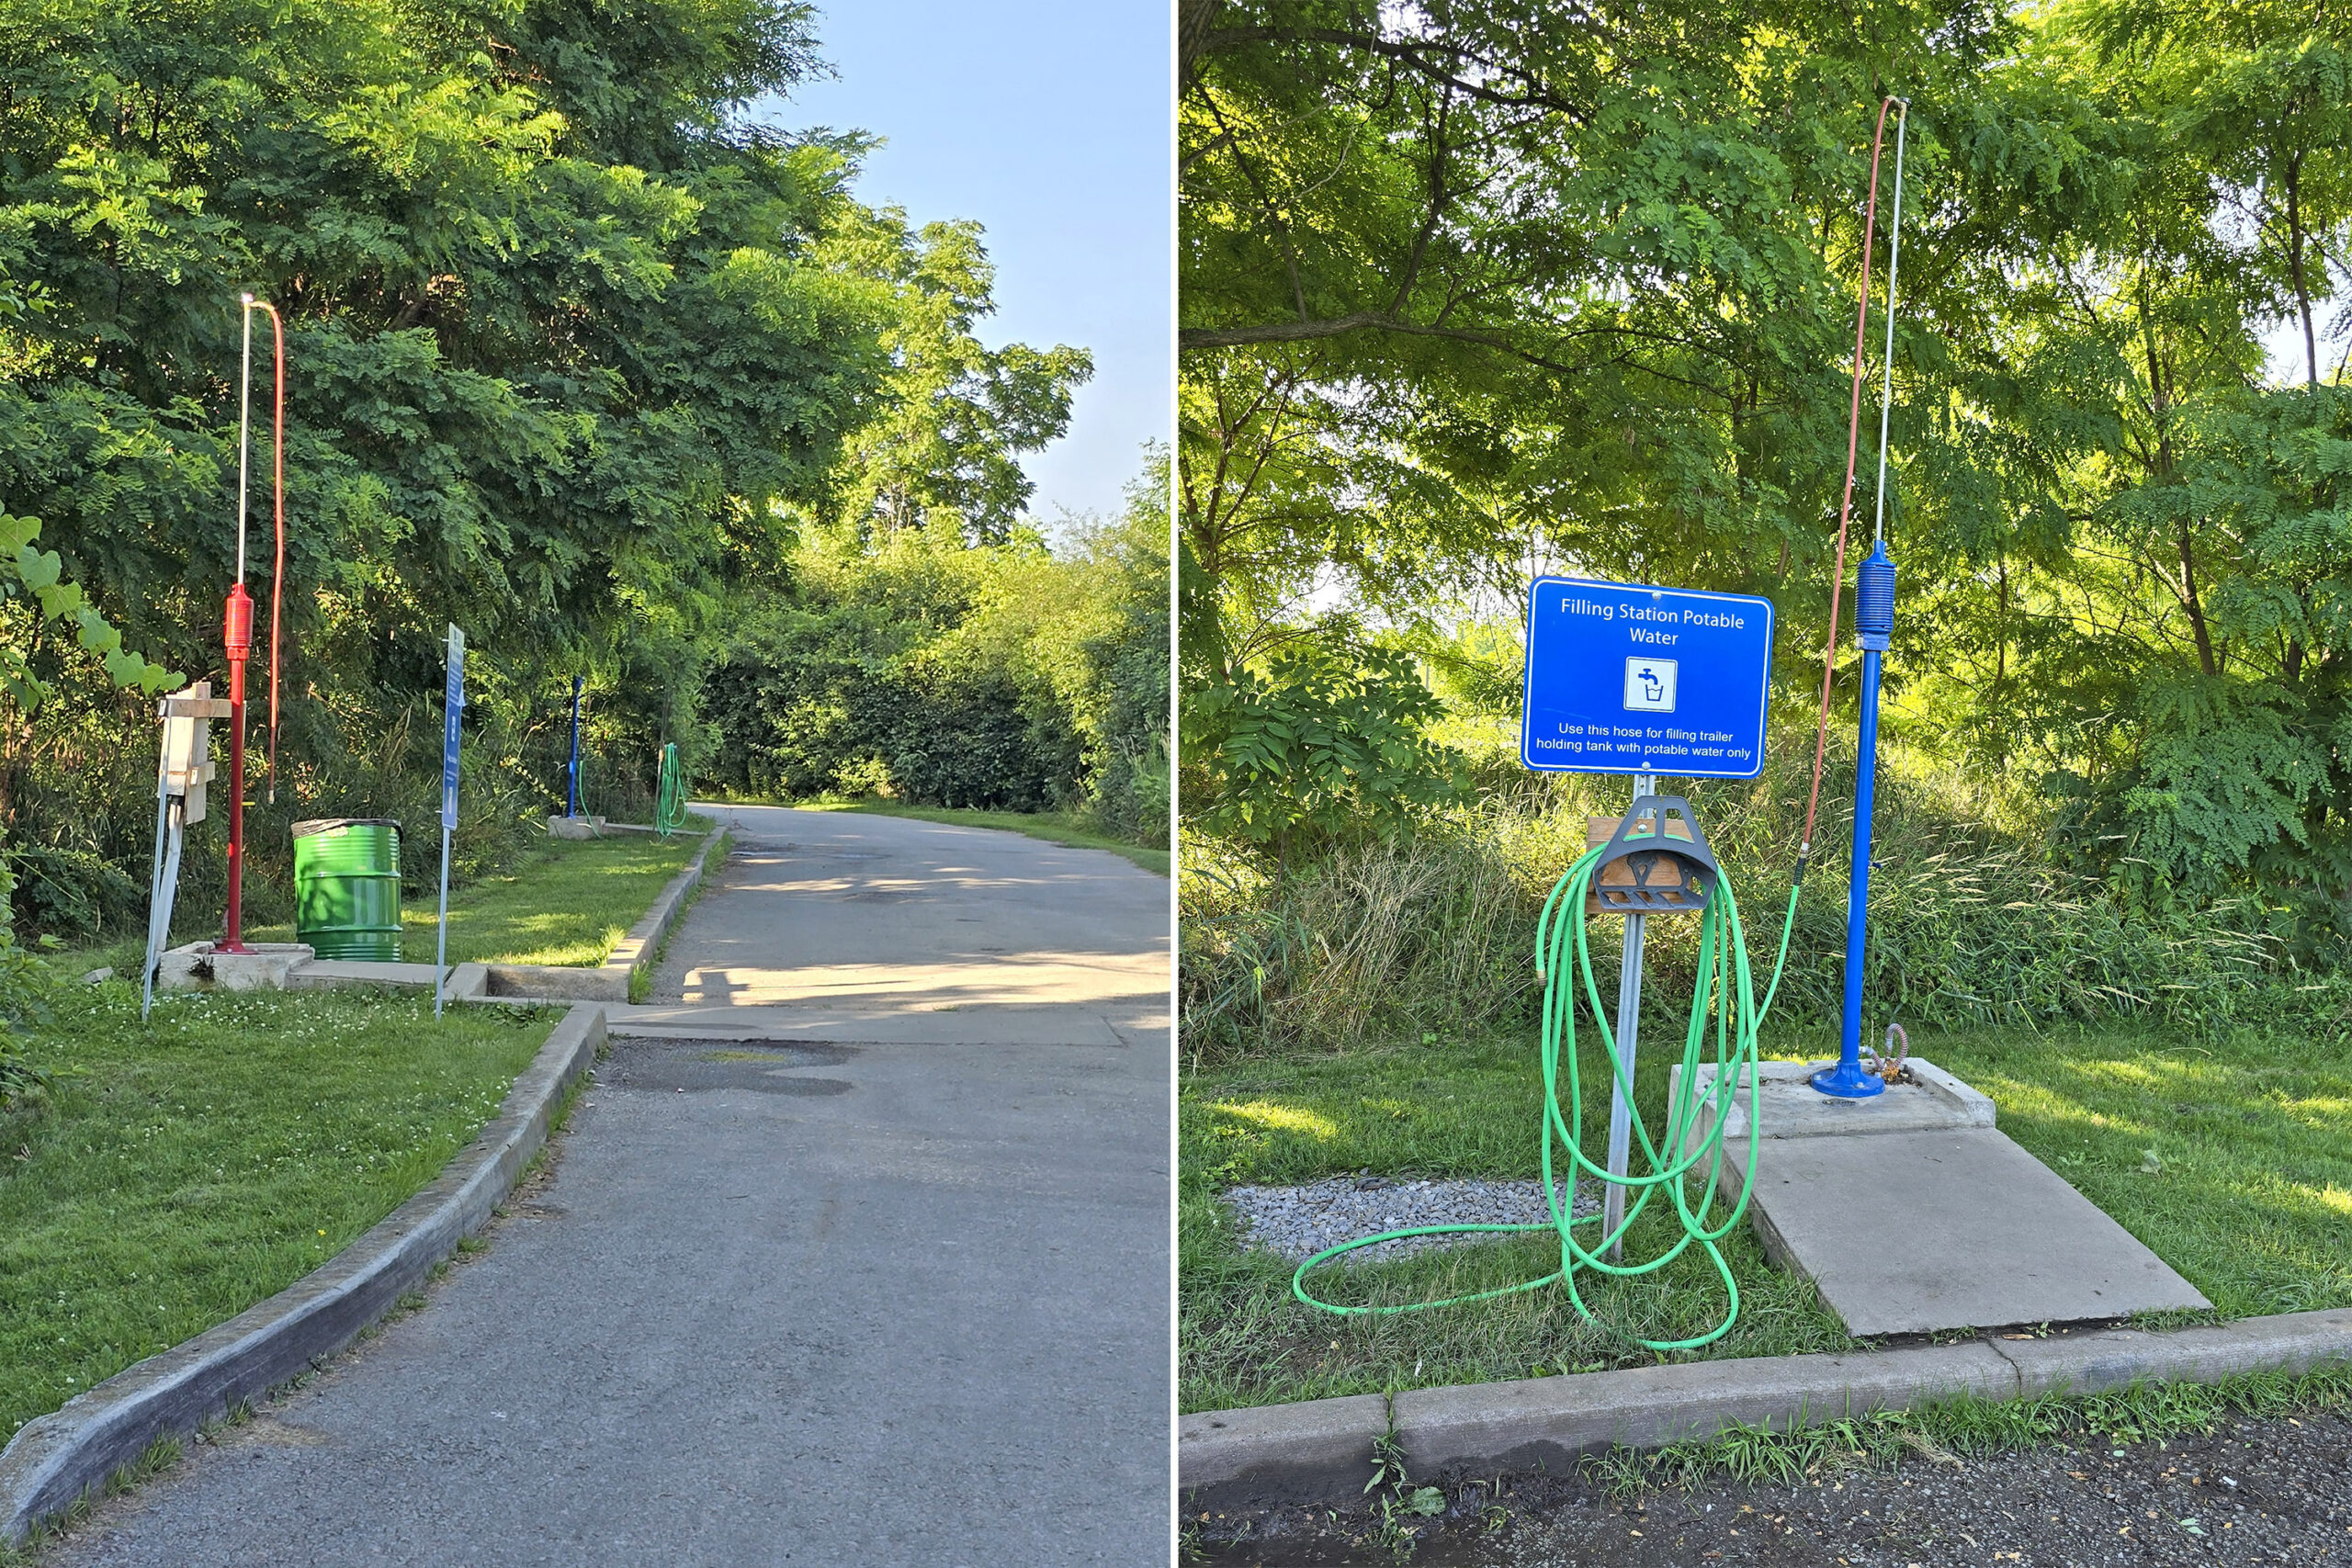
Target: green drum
(347, 887)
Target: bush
(1970, 922)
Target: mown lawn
(1063, 827)
(2249, 1196)
(564, 902)
(186, 1169)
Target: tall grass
(1971, 924)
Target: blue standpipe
(1874, 626)
(572, 796)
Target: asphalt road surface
(861, 1257)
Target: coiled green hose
(1724, 992)
(670, 797)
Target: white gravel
(1297, 1223)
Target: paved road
(896, 1293)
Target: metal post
(1874, 622)
(572, 797)
(441, 941)
(453, 706)
(1621, 1089)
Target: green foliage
(1322, 741)
(1971, 924)
(992, 677)
(943, 454)
(1497, 289)
(576, 357)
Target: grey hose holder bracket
(1656, 863)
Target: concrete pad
(199, 966)
(1910, 1233)
(323, 973)
(1787, 1105)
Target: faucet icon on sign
(1652, 687)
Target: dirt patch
(2267, 1491)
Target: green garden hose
(1723, 992)
(670, 798)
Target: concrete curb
(610, 981)
(58, 1458)
(1321, 1450)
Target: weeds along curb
(1321, 1451)
(75, 1449)
(610, 981)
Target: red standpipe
(237, 632)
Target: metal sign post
(1631, 677)
(1621, 1091)
(453, 704)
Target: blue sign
(453, 704)
(1624, 678)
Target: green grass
(563, 903)
(1067, 828)
(2251, 1197)
(1439, 1108)
(185, 1169)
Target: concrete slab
(1790, 1107)
(324, 973)
(1915, 1231)
(198, 966)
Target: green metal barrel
(347, 887)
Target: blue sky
(1049, 123)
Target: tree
(956, 414)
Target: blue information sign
(453, 704)
(1624, 677)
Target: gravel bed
(1297, 1223)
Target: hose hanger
(1656, 863)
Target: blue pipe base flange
(1847, 1081)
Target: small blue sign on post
(453, 704)
(1627, 678)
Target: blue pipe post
(1873, 627)
(572, 797)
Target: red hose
(1845, 502)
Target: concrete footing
(201, 966)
